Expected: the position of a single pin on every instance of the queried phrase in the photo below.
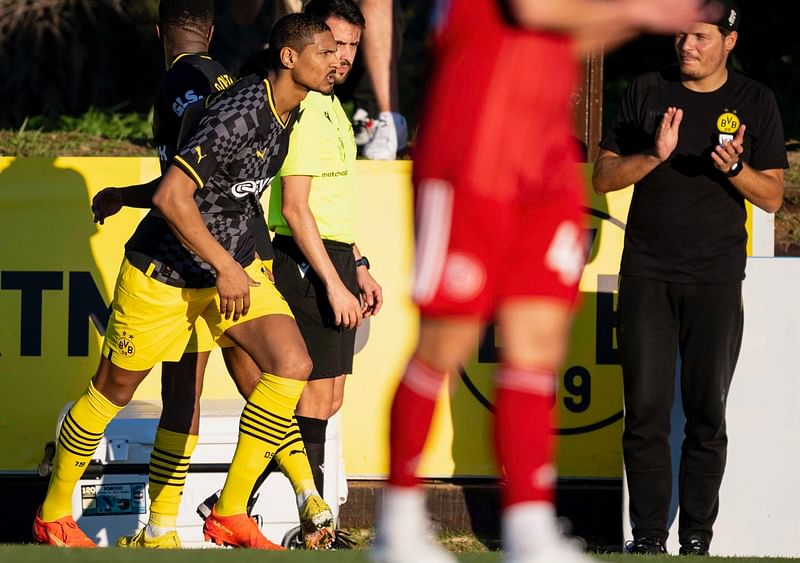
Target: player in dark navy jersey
(207, 197)
(190, 78)
(185, 29)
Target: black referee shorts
(330, 347)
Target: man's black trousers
(656, 320)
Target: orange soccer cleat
(239, 530)
(63, 532)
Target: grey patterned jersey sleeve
(228, 125)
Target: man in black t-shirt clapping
(697, 141)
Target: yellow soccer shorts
(202, 339)
(152, 322)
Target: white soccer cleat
(388, 134)
(403, 532)
(531, 534)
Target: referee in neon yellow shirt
(318, 268)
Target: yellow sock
(292, 459)
(265, 421)
(80, 434)
(169, 465)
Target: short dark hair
(186, 14)
(294, 31)
(344, 9)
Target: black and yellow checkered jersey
(190, 79)
(236, 149)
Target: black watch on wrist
(735, 169)
(362, 262)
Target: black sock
(313, 432)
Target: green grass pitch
(39, 554)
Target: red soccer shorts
(475, 251)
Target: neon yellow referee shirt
(321, 146)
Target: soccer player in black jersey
(697, 141)
(186, 27)
(193, 256)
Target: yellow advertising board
(57, 272)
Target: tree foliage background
(64, 56)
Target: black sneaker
(695, 546)
(646, 546)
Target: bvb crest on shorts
(727, 125)
(125, 345)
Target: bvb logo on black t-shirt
(727, 125)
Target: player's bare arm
(371, 292)
(295, 191)
(109, 201)
(763, 188)
(174, 200)
(613, 172)
(596, 25)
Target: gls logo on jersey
(182, 102)
(243, 189)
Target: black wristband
(362, 262)
(735, 169)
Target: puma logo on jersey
(262, 154)
(200, 155)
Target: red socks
(523, 433)
(412, 411)
(522, 429)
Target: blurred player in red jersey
(500, 235)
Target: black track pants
(656, 320)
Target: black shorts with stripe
(330, 347)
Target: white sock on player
(404, 534)
(531, 534)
